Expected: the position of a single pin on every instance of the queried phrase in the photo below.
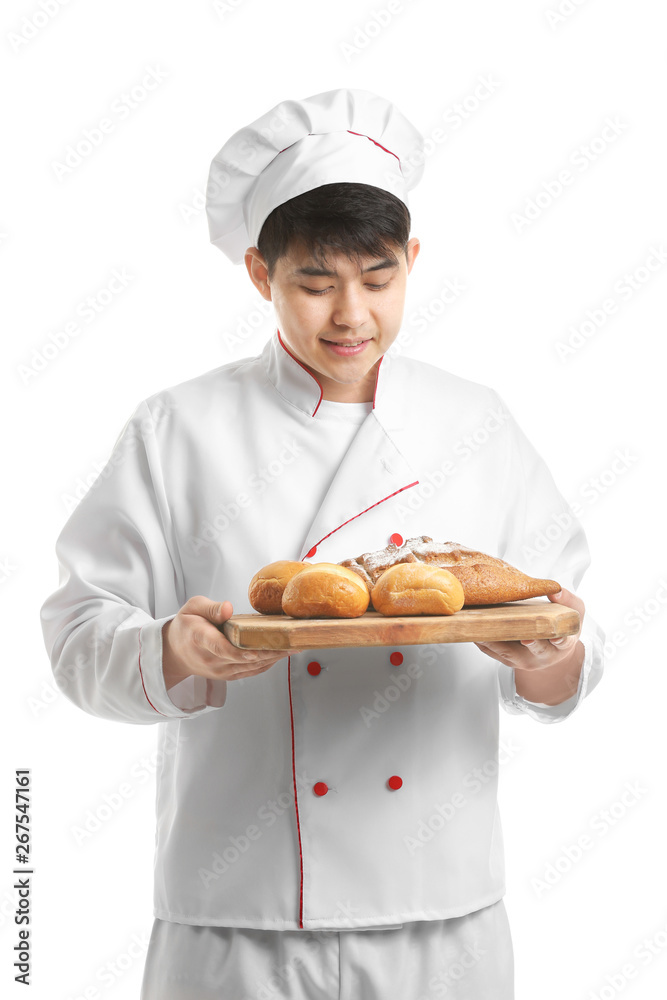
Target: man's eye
(322, 291)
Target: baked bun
(325, 590)
(267, 585)
(485, 579)
(415, 589)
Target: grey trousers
(462, 958)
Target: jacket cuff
(592, 665)
(515, 704)
(191, 696)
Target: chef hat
(341, 135)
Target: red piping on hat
(376, 143)
(354, 133)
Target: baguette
(485, 579)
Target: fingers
(259, 667)
(257, 662)
(201, 645)
(505, 652)
(526, 654)
(214, 611)
(564, 642)
(254, 656)
(529, 652)
(568, 600)
(211, 642)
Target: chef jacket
(343, 787)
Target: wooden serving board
(531, 619)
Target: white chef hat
(341, 135)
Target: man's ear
(412, 250)
(258, 271)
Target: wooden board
(531, 619)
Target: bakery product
(485, 579)
(266, 588)
(325, 590)
(348, 588)
(417, 589)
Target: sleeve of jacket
(543, 538)
(120, 581)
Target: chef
(327, 820)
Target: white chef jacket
(219, 475)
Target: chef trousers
(461, 958)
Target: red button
(396, 539)
(320, 788)
(314, 668)
(394, 782)
(311, 553)
(396, 659)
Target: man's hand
(191, 644)
(545, 670)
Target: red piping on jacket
(289, 682)
(282, 344)
(305, 369)
(296, 802)
(416, 483)
(141, 674)
(377, 376)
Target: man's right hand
(191, 644)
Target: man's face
(320, 309)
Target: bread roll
(267, 585)
(415, 589)
(325, 590)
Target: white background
(596, 415)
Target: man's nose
(350, 308)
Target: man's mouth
(348, 343)
(347, 348)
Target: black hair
(358, 220)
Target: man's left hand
(547, 670)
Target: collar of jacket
(374, 469)
(296, 384)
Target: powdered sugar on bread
(486, 579)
